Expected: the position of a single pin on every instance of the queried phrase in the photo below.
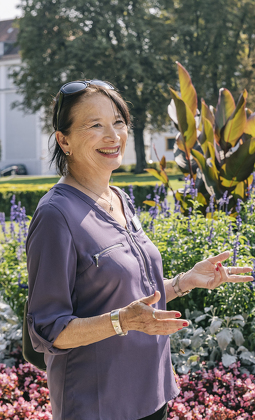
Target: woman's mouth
(108, 151)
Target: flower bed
(216, 394)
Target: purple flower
(131, 194)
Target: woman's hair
(66, 118)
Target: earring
(67, 153)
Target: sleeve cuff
(40, 344)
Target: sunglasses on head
(71, 88)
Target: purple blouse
(83, 263)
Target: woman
(87, 257)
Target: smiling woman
(94, 274)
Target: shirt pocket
(97, 257)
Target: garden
(214, 211)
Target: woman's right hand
(138, 316)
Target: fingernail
(179, 329)
(219, 264)
(177, 315)
(185, 324)
(217, 268)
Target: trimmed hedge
(30, 194)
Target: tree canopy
(121, 41)
(134, 44)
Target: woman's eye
(96, 125)
(119, 122)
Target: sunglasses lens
(73, 87)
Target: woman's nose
(112, 133)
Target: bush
(217, 394)
(24, 394)
(184, 241)
(29, 194)
(13, 267)
(209, 340)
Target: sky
(8, 9)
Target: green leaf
(239, 191)
(209, 176)
(206, 134)
(163, 163)
(188, 92)
(224, 109)
(186, 122)
(155, 173)
(239, 165)
(236, 122)
(250, 125)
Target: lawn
(176, 181)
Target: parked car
(17, 169)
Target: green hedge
(30, 194)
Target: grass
(176, 181)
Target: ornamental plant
(185, 240)
(217, 394)
(13, 268)
(214, 146)
(210, 339)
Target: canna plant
(214, 147)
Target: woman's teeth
(109, 151)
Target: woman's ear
(63, 142)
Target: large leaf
(181, 159)
(225, 107)
(206, 113)
(239, 191)
(236, 123)
(210, 178)
(206, 134)
(186, 122)
(188, 92)
(239, 165)
(224, 337)
(157, 174)
(172, 112)
(250, 125)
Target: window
(170, 143)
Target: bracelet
(115, 319)
(176, 286)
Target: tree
(121, 41)
(211, 39)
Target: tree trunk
(139, 150)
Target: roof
(8, 35)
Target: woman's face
(97, 136)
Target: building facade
(22, 139)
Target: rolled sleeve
(51, 262)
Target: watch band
(115, 319)
(176, 286)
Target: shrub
(221, 144)
(29, 195)
(217, 394)
(13, 267)
(209, 340)
(24, 394)
(184, 241)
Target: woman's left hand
(210, 273)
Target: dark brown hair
(66, 118)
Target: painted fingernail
(185, 324)
(219, 264)
(217, 268)
(179, 329)
(177, 315)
